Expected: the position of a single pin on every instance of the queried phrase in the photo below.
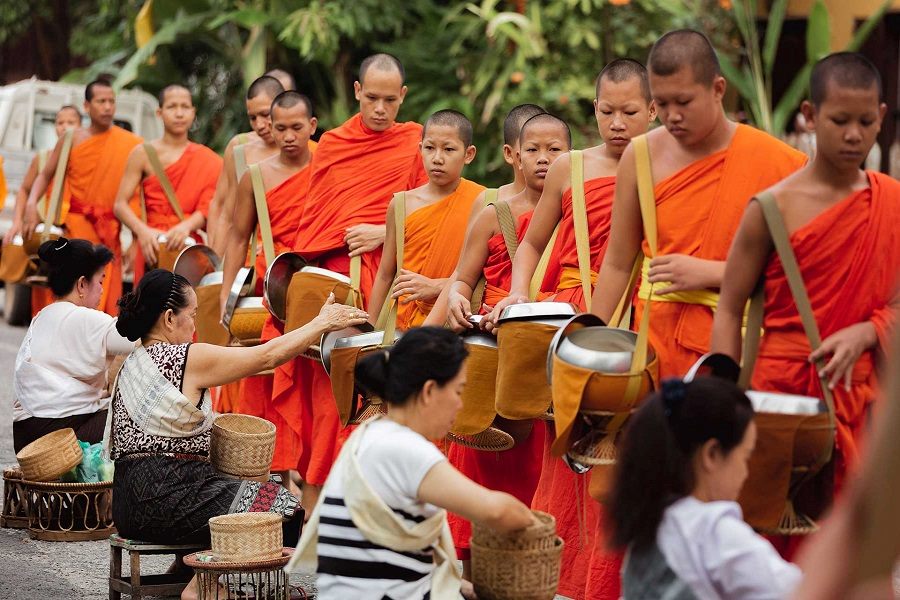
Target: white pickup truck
(27, 114)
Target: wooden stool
(68, 512)
(235, 580)
(138, 586)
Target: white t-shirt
(62, 362)
(394, 459)
(710, 548)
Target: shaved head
(290, 99)
(684, 48)
(169, 88)
(100, 82)
(546, 119)
(286, 79)
(512, 125)
(451, 118)
(623, 69)
(381, 62)
(264, 85)
(847, 70)
(72, 108)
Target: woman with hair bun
(164, 489)
(61, 369)
(380, 529)
(673, 501)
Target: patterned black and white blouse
(128, 439)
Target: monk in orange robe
(436, 215)
(544, 138)
(96, 165)
(355, 171)
(843, 224)
(67, 117)
(286, 180)
(704, 169)
(192, 170)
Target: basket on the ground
(69, 512)
(242, 537)
(14, 515)
(522, 565)
(242, 445)
(48, 457)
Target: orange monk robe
(93, 174)
(3, 190)
(193, 177)
(285, 202)
(514, 471)
(598, 199)
(355, 172)
(849, 257)
(698, 211)
(434, 238)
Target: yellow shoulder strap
(54, 210)
(579, 218)
(390, 305)
(160, 173)
(262, 214)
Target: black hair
(398, 373)
(161, 97)
(66, 261)
(546, 118)
(621, 70)
(655, 467)
(69, 107)
(264, 85)
(280, 74)
(99, 82)
(290, 99)
(382, 62)
(158, 291)
(847, 69)
(514, 120)
(685, 48)
(452, 118)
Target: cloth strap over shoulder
(54, 209)
(387, 317)
(580, 223)
(164, 181)
(490, 198)
(262, 214)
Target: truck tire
(17, 304)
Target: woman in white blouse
(673, 502)
(61, 368)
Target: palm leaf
(166, 35)
(773, 33)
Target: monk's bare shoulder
(486, 222)
(597, 163)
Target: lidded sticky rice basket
(242, 445)
(246, 537)
(522, 565)
(48, 457)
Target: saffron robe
(354, 173)
(514, 471)
(849, 257)
(285, 202)
(598, 199)
(95, 169)
(434, 238)
(193, 177)
(698, 212)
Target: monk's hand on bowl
(458, 312)
(334, 316)
(364, 238)
(494, 315)
(680, 272)
(844, 347)
(148, 239)
(411, 287)
(14, 230)
(175, 237)
(31, 220)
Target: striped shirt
(394, 460)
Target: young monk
(192, 170)
(286, 80)
(544, 138)
(285, 178)
(436, 218)
(355, 171)
(96, 164)
(704, 168)
(844, 227)
(68, 117)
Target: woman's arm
(446, 487)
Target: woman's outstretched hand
(334, 316)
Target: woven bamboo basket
(517, 566)
(48, 457)
(247, 324)
(243, 537)
(242, 445)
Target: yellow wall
(844, 14)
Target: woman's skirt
(166, 499)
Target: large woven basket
(48, 457)
(522, 565)
(243, 537)
(242, 445)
